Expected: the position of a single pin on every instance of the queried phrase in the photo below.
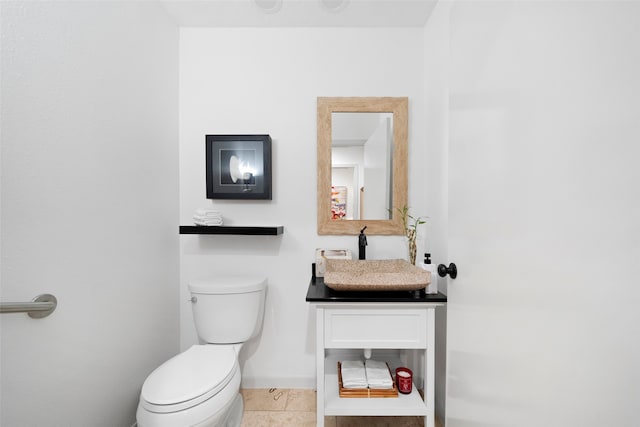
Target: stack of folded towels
(378, 375)
(369, 374)
(354, 374)
(207, 217)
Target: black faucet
(362, 243)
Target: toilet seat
(189, 378)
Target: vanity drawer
(375, 328)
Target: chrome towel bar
(41, 306)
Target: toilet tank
(228, 309)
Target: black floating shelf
(237, 230)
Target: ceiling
(299, 13)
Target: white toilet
(200, 387)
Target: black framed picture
(238, 166)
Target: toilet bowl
(200, 387)
(193, 388)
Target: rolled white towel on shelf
(207, 222)
(207, 217)
(353, 374)
(378, 375)
(208, 213)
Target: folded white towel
(353, 374)
(203, 217)
(378, 375)
(207, 217)
(207, 223)
(207, 212)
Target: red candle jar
(404, 380)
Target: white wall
(266, 81)
(89, 207)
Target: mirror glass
(362, 165)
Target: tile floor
(297, 408)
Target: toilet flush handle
(193, 299)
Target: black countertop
(318, 292)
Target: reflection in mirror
(362, 164)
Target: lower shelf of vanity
(334, 405)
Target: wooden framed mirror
(367, 185)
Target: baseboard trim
(271, 382)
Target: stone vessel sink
(375, 275)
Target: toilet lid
(189, 378)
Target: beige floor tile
(254, 419)
(330, 422)
(264, 399)
(278, 419)
(293, 419)
(297, 408)
(301, 400)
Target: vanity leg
(320, 367)
(430, 370)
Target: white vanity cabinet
(378, 322)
